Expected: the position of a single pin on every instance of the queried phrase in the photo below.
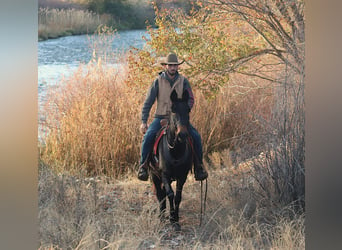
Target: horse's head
(179, 119)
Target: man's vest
(163, 99)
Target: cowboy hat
(171, 59)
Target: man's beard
(172, 73)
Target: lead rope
(203, 203)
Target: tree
(280, 24)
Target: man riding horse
(161, 89)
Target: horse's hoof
(176, 226)
(162, 218)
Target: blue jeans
(148, 140)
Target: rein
(203, 203)
(173, 144)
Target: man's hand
(143, 128)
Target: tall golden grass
(93, 123)
(54, 23)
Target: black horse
(174, 158)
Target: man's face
(172, 69)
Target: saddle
(153, 155)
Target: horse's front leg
(170, 194)
(178, 197)
(161, 196)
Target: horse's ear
(185, 96)
(173, 96)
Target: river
(60, 57)
(57, 57)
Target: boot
(200, 173)
(142, 173)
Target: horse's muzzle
(182, 133)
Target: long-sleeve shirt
(153, 93)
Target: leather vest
(164, 91)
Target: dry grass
(93, 123)
(231, 119)
(54, 23)
(61, 4)
(102, 213)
